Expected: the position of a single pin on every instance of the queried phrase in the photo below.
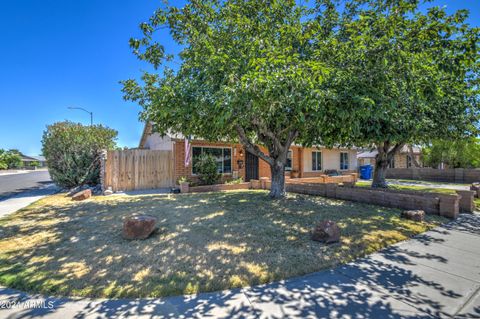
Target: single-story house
(27, 160)
(402, 159)
(234, 161)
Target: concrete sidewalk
(434, 275)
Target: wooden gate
(127, 170)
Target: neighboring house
(402, 159)
(27, 160)
(234, 161)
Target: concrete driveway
(434, 275)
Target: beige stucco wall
(158, 143)
(330, 158)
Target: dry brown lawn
(205, 242)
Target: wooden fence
(457, 175)
(127, 170)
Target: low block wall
(457, 175)
(432, 203)
(218, 188)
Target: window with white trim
(289, 163)
(343, 160)
(222, 156)
(316, 161)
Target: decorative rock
(415, 215)
(138, 227)
(326, 231)
(82, 195)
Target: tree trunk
(379, 180)
(277, 189)
(383, 158)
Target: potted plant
(184, 184)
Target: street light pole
(79, 108)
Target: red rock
(415, 215)
(326, 231)
(138, 227)
(87, 193)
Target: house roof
(27, 158)
(404, 150)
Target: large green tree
(248, 70)
(414, 74)
(457, 153)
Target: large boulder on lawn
(138, 227)
(82, 195)
(326, 231)
(415, 215)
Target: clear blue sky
(55, 54)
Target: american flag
(188, 153)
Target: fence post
(459, 175)
(103, 159)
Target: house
(234, 161)
(402, 159)
(27, 161)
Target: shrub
(10, 158)
(73, 152)
(3, 165)
(207, 170)
(34, 164)
(234, 181)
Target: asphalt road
(13, 184)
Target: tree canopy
(363, 72)
(454, 154)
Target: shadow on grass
(205, 242)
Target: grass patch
(205, 242)
(410, 188)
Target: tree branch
(252, 148)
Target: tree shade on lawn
(204, 242)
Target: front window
(343, 161)
(392, 163)
(409, 161)
(316, 161)
(223, 157)
(288, 165)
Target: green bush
(234, 181)
(10, 159)
(34, 164)
(207, 170)
(73, 152)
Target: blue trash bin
(366, 171)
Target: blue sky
(56, 54)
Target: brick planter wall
(432, 203)
(218, 187)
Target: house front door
(251, 166)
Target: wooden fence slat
(138, 169)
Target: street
(16, 183)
